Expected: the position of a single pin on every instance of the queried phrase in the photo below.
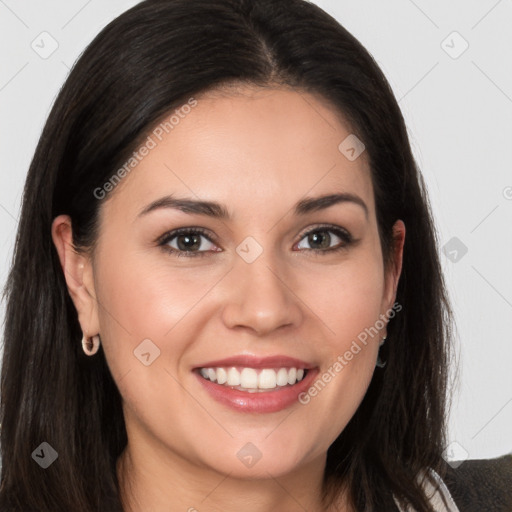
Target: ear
(78, 272)
(393, 273)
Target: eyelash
(162, 241)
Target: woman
(226, 292)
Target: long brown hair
(146, 62)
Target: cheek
(348, 298)
(350, 350)
(349, 303)
(147, 298)
(144, 293)
(148, 309)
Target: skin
(258, 152)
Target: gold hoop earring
(91, 345)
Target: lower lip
(260, 401)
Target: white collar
(439, 496)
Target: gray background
(457, 104)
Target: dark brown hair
(145, 63)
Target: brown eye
(188, 242)
(321, 239)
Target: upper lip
(248, 361)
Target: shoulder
(478, 485)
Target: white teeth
(267, 379)
(222, 376)
(233, 377)
(282, 377)
(252, 380)
(249, 378)
(292, 376)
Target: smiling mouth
(252, 380)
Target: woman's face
(251, 296)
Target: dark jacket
(480, 485)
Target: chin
(259, 459)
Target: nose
(260, 297)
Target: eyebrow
(219, 211)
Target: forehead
(249, 148)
